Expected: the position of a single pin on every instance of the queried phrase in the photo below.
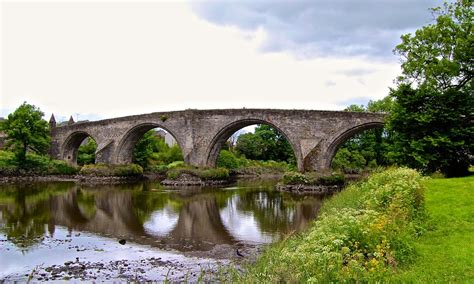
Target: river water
(143, 231)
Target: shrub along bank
(34, 164)
(243, 166)
(103, 170)
(362, 234)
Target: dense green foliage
(432, 122)
(313, 178)
(433, 130)
(440, 55)
(128, 170)
(368, 149)
(151, 151)
(229, 160)
(202, 173)
(35, 165)
(26, 131)
(266, 143)
(362, 234)
(86, 152)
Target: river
(142, 231)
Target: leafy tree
(441, 55)
(144, 148)
(433, 130)
(26, 131)
(432, 122)
(266, 143)
(153, 150)
(86, 152)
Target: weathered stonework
(314, 135)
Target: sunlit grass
(446, 251)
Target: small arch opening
(150, 146)
(79, 149)
(252, 144)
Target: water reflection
(146, 213)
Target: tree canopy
(431, 120)
(26, 131)
(266, 143)
(441, 55)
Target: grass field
(446, 250)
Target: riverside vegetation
(364, 233)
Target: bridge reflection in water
(146, 213)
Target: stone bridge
(314, 135)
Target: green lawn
(446, 250)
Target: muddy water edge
(141, 231)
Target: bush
(161, 169)
(176, 164)
(34, 165)
(230, 160)
(128, 170)
(294, 178)
(61, 168)
(227, 160)
(313, 178)
(112, 170)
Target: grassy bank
(381, 230)
(446, 250)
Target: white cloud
(115, 59)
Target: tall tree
(441, 55)
(432, 130)
(26, 131)
(432, 116)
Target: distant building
(169, 139)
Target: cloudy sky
(100, 60)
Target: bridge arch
(337, 142)
(219, 139)
(124, 153)
(71, 146)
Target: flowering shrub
(294, 178)
(361, 241)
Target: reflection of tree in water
(277, 212)
(25, 211)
